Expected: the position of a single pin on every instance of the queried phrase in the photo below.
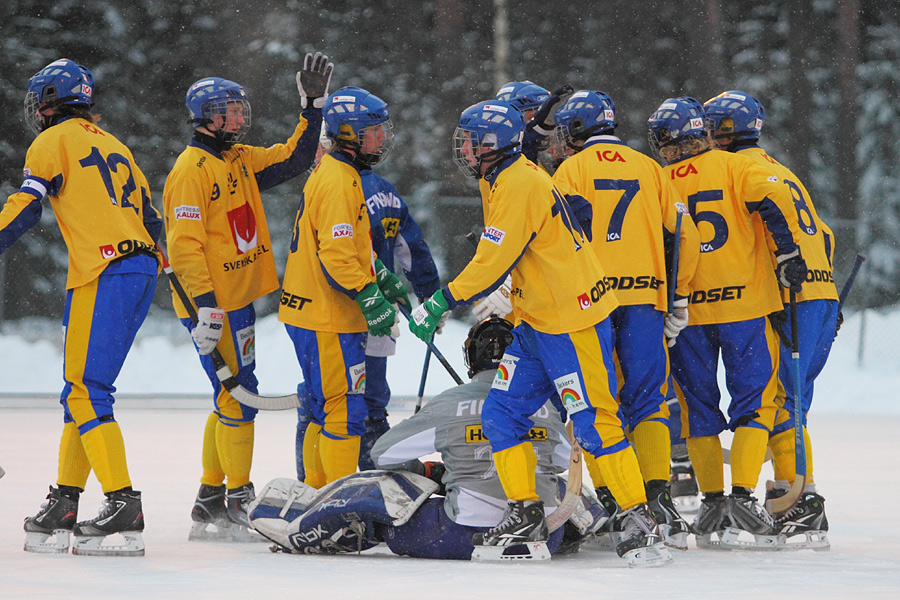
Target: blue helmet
(677, 122)
(487, 131)
(524, 95)
(734, 114)
(208, 101)
(61, 83)
(584, 114)
(354, 118)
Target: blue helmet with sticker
(61, 83)
(487, 131)
(734, 116)
(222, 104)
(358, 120)
(526, 95)
(677, 128)
(584, 114)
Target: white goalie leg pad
(656, 555)
(126, 543)
(528, 552)
(42, 543)
(805, 540)
(738, 539)
(279, 503)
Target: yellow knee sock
(593, 468)
(516, 467)
(74, 466)
(622, 475)
(212, 468)
(105, 450)
(235, 445)
(708, 462)
(748, 451)
(339, 456)
(782, 446)
(312, 462)
(654, 449)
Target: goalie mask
(486, 343)
(222, 104)
(734, 118)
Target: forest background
(827, 71)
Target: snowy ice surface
(162, 411)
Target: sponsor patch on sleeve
(342, 230)
(493, 235)
(190, 213)
(773, 179)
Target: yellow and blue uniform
(562, 343)
(817, 310)
(733, 201)
(633, 203)
(102, 204)
(219, 245)
(330, 261)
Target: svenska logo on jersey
(190, 213)
(108, 251)
(342, 230)
(493, 235)
(243, 228)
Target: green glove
(425, 319)
(380, 315)
(390, 285)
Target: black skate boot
(602, 540)
(683, 485)
(521, 534)
(672, 526)
(750, 526)
(237, 501)
(712, 518)
(806, 518)
(56, 519)
(210, 519)
(638, 539)
(121, 513)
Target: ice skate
(711, 520)
(55, 520)
(638, 539)
(672, 526)
(521, 535)
(749, 526)
(237, 503)
(602, 541)
(804, 526)
(683, 486)
(121, 516)
(211, 522)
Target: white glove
(208, 330)
(497, 302)
(313, 79)
(676, 320)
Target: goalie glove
(379, 314)
(425, 318)
(208, 330)
(390, 285)
(313, 79)
(676, 320)
(791, 271)
(496, 303)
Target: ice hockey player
(562, 342)
(101, 200)
(335, 290)
(634, 220)
(219, 245)
(471, 498)
(398, 242)
(735, 120)
(733, 201)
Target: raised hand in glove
(791, 271)
(380, 315)
(390, 285)
(676, 320)
(496, 303)
(208, 330)
(425, 319)
(543, 121)
(313, 79)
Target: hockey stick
(405, 312)
(422, 380)
(787, 501)
(573, 487)
(223, 372)
(673, 282)
(848, 285)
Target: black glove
(779, 319)
(543, 121)
(840, 321)
(313, 79)
(434, 471)
(791, 271)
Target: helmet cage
(486, 343)
(224, 114)
(487, 131)
(677, 129)
(585, 113)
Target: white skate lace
(508, 520)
